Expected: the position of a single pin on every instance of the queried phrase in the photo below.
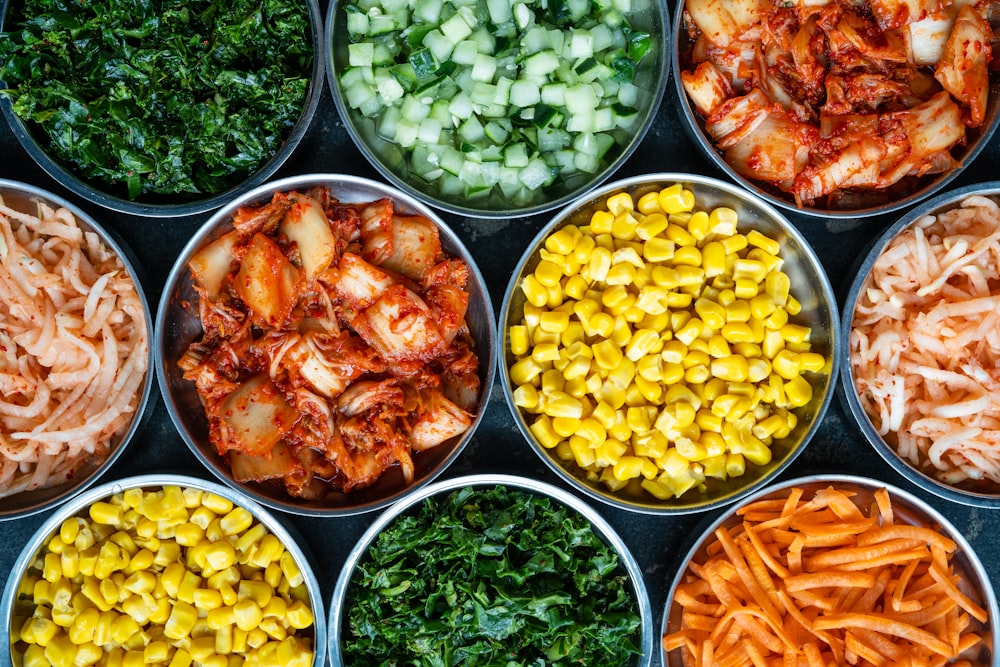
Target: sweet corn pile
(657, 347)
(172, 576)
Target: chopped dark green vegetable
(158, 97)
(490, 576)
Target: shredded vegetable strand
(925, 346)
(75, 348)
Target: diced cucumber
(485, 95)
(461, 106)
(524, 93)
(484, 67)
(439, 45)
(361, 54)
(497, 132)
(357, 23)
(541, 64)
(465, 52)
(428, 11)
(516, 155)
(457, 28)
(472, 130)
(500, 11)
(581, 45)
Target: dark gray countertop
(497, 446)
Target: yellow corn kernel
(619, 275)
(562, 240)
(733, 244)
(718, 347)
(675, 199)
(188, 534)
(299, 615)
(776, 320)
(674, 351)
(765, 243)
(765, 428)
(623, 226)
(554, 297)
(649, 367)
(738, 332)
(737, 310)
(812, 361)
(771, 262)
(651, 226)
(604, 414)
(723, 220)
(247, 614)
(565, 426)
(798, 391)
(592, 430)
(535, 292)
(542, 429)
(658, 249)
(762, 306)
(697, 374)
(711, 313)
(627, 467)
(690, 331)
(638, 419)
(746, 288)
(552, 381)
(688, 256)
(576, 286)
(609, 452)
(142, 581)
(733, 368)
(601, 221)
(548, 274)
(236, 521)
(679, 236)
(699, 225)
(707, 421)
(106, 513)
(122, 628)
(619, 203)
(758, 369)
(526, 397)
(793, 306)
(752, 449)
(525, 371)
(649, 203)
(786, 364)
(777, 285)
(220, 617)
(690, 449)
(202, 649)
(796, 333)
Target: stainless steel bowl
(14, 610)
(983, 494)
(878, 204)
(24, 197)
(810, 285)
(388, 158)
(169, 206)
(178, 325)
(408, 506)
(907, 508)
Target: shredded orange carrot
(891, 597)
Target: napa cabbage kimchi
(838, 102)
(335, 343)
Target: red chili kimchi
(840, 104)
(335, 343)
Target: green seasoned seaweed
(490, 576)
(158, 97)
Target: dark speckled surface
(497, 446)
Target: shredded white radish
(73, 348)
(925, 343)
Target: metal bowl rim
(601, 527)
(221, 217)
(600, 177)
(106, 489)
(938, 204)
(697, 134)
(764, 208)
(66, 177)
(928, 512)
(122, 252)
